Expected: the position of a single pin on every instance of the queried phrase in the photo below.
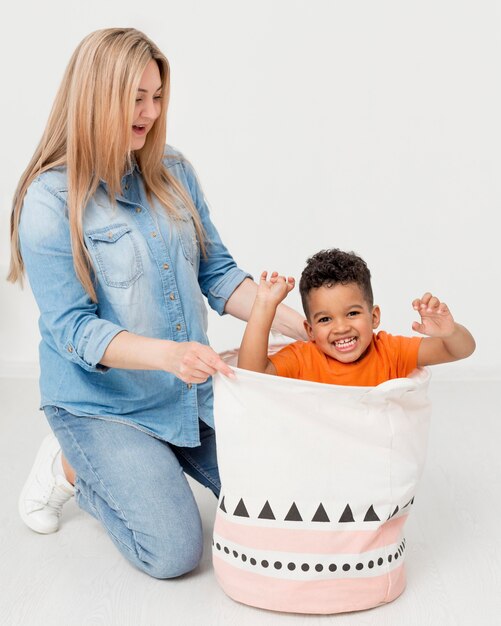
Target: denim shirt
(151, 280)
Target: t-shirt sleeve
(406, 354)
(286, 362)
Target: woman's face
(148, 105)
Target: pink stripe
(313, 596)
(314, 541)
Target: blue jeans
(134, 484)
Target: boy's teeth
(343, 342)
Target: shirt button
(166, 266)
(172, 296)
(153, 234)
(189, 385)
(110, 235)
(178, 326)
(126, 187)
(138, 209)
(70, 349)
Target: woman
(116, 238)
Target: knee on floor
(174, 562)
(173, 553)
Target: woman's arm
(218, 273)
(190, 361)
(287, 321)
(76, 330)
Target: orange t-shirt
(387, 357)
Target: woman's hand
(194, 362)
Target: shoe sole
(39, 459)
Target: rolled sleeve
(220, 292)
(87, 350)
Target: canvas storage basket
(317, 483)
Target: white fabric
(316, 484)
(288, 440)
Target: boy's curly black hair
(332, 267)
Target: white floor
(76, 577)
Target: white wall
(372, 126)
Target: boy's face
(340, 321)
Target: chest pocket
(187, 236)
(116, 254)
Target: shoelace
(58, 497)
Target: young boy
(337, 298)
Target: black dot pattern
(318, 567)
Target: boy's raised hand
(275, 289)
(436, 319)
(253, 353)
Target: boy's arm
(287, 321)
(446, 340)
(253, 353)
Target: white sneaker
(44, 493)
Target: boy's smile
(340, 321)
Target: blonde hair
(89, 130)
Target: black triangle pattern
(347, 515)
(266, 512)
(371, 515)
(394, 512)
(241, 511)
(320, 515)
(293, 515)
